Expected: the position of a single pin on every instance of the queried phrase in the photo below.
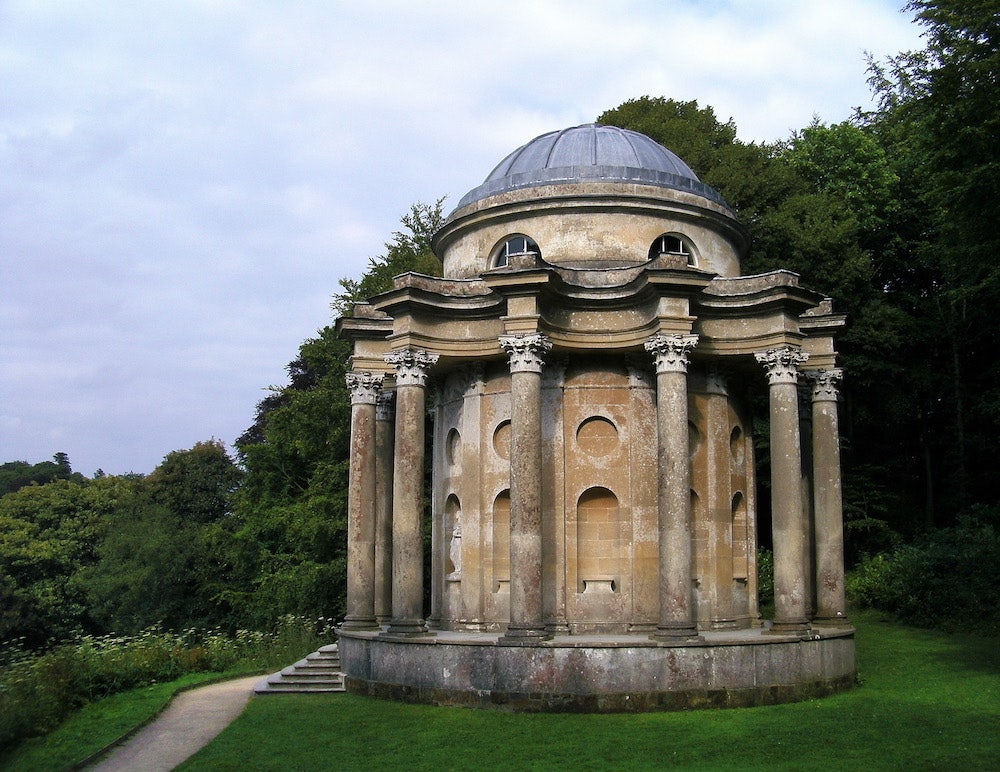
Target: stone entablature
(733, 318)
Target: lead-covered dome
(591, 197)
(590, 152)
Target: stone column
(674, 485)
(408, 491)
(384, 429)
(791, 558)
(364, 388)
(527, 623)
(831, 607)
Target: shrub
(945, 578)
(37, 691)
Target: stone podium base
(600, 673)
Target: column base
(405, 628)
(674, 634)
(360, 623)
(788, 627)
(524, 636)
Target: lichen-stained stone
(588, 362)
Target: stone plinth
(600, 673)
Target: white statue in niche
(455, 550)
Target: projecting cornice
(590, 309)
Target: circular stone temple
(588, 360)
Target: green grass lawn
(96, 726)
(926, 701)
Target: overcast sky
(183, 183)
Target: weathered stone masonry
(586, 361)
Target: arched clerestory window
(673, 244)
(515, 244)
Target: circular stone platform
(600, 673)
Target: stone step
(301, 677)
(310, 670)
(311, 663)
(318, 672)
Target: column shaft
(408, 492)
(791, 604)
(384, 431)
(526, 611)
(360, 615)
(674, 486)
(831, 605)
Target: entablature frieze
(461, 319)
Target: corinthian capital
(364, 387)
(411, 365)
(825, 384)
(782, 364)
(671, 352)
(526, 352)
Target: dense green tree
(166, 557)
(292, 509)
(48, 534)
(196, 485)
(17, 474)
(937, 117)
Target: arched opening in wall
(694, 439)
(453, 448)
(453, 526)
(501, 440)
(515, 244)
(501, 541)
(675, 246)
(737, 447)
(598, 542)
(741, 551)
(597, 436)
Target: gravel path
(190, 722)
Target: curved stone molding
(782, 364)
(671, 352)
(526, 352)
(365, 387)
(411, 365)
(825, 384)
(747, 668)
